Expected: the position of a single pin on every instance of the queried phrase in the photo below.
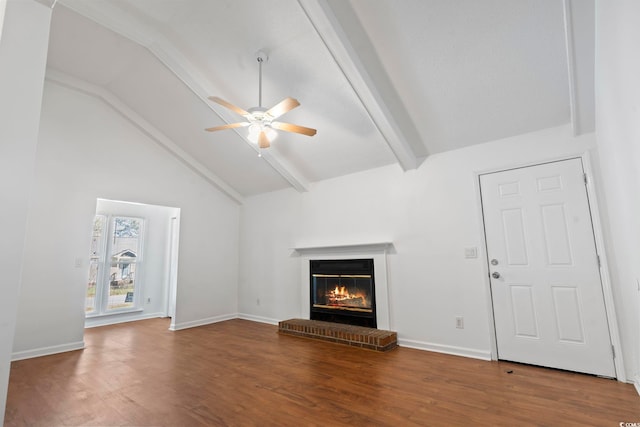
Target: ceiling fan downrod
(261, 56)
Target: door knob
(495, 275)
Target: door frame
(172, 265)
(605, 278)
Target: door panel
(547, 295)
(514, 237)
(524, 312)
(567, 308)
(556, 236)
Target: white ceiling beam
(48, 3)
(374, 93)
(579, 28)
(110, 17)
(145, 127)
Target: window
(115, 265)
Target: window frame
(105, 263)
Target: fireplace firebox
(343, 291)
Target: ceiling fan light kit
(262, 127)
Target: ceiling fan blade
(288, 127)
(229, 126)
(229, 105)
(282, 107)
(263, 141)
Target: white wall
(88, 151)
(23, 54)
(430, 214)
(618, 136)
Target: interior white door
(547, 295)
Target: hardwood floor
(241, 373)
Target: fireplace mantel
(344, 248)
(376, 250)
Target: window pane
(126, 234)
(90, 304)
(96, 255)
(121, 284)
(97, 242)
(124, 255)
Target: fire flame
(340, 295)
(341, 292)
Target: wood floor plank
(241, 373)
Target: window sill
(114, 313)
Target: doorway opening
(133, 262)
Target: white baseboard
(257, 318)
(447, 349)
(95, 322)
(202, 322)
(47, 351)
(636, 383)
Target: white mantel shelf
(357, 247)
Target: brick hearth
(357, 336)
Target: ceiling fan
(261, 121)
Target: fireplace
(343, 291)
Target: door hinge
(586, 178)
(599, 262)
(613, 351)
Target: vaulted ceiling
(384, 82)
